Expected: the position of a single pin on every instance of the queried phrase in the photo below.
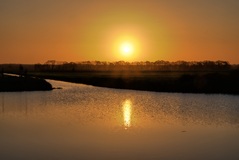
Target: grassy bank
(184, 82)
(15, 83)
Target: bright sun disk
(126, 48)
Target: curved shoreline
(210, 83)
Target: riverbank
(183, 82)
(20, 83)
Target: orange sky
(68, 30)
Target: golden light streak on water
(127, 111)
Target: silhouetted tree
(21, 70)
(2, 72)
(52, 63)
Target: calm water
(85, 122)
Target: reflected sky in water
(86, 122)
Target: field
(161, 81)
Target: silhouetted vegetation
(132, 66)
(13, 83)
(162, 76)
(87, 66)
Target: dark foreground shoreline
(182, 82)
(21, 83)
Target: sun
(126, 48)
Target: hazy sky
(34, 31)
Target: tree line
(160, 65)
(133, 66)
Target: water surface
(86, 122)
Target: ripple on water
(118, 122)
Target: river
(85, 122)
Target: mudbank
(14, 83)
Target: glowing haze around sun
(125, 44)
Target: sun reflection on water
(127, 111)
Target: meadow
(185, 82)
